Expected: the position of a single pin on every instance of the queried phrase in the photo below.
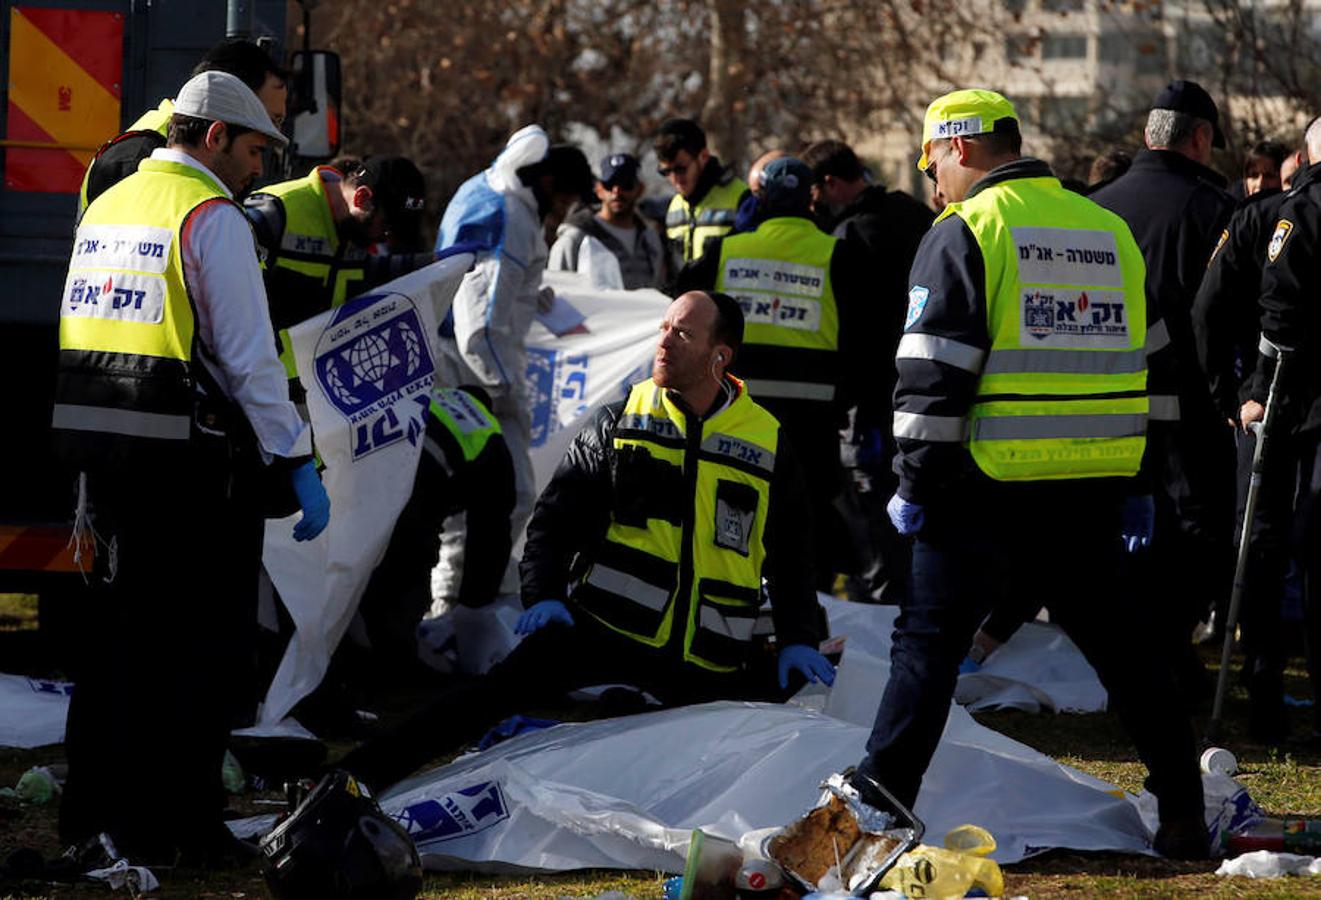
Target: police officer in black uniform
(1176, 207)
(1289, 318)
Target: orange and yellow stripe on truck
(66, 72)
(41, 548)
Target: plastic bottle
(1302, 836)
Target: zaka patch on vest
(119, 296)
(1068, 318)
(917, 304)
(1282, 231)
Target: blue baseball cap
(621, 169)
(786, 185)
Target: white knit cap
(221, 97)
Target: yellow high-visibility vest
(681, 562)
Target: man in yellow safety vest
(1021, 417)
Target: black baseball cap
(786, 186)
(1191, 98)
(398, 190)
(620, 169)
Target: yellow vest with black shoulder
(157, 120)
(680, 566)
(690, 225)
(466, 420)
(309, 247)
(780, 275)
(1063, 388)
(125, 387)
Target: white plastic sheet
(1265, 864)
(32, 711)
(1038, 668)
(569, 377)
(368, 368)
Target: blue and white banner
(368, 368)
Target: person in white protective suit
(501, 215)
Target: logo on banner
(455, 815)
(43, 686)
(557, 386)
(377, 356)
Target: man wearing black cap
(1177, 208)
(588, 241)
(314, 233)
(803, 354)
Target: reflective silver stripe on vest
(675, 217)
(1164, 407)
(1065, 362)
(737, 627)
(1011, 428)
(1158, 337)
(930, 428)
(941, 349)
(715, 217)
(625, 585)
(790, 390)
(738, 449)
(128, 422)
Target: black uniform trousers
(170, 634)
(1059, 539)
(541, 669)
(1190, 568)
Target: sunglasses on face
(667, 171)
(624, 184)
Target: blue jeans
(1056, 540)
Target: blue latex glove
(969, 665)
(542, 614)
(908, 518)
(1137, 521)
(805, 659)
(314, 501)
(871, 450)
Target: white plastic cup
(1219, 761)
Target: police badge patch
(1224, 236)
(1282, 231)
(917, 303)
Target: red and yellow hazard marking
(41, 548)
(65, 76)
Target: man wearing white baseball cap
(171, 402)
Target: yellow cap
(963, 113)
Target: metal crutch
(1262, 431)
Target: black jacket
(1226, 317)
(887, 227)
(445, 484)
(574, 511)
(1290, 311)
(1176, 209)
(814, 426)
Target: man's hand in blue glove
(807, 661)
(907, 517)
(542, 614)
(1137, 521)
(314, 501)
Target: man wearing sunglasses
(614, 244)
(708, 194)
(1021, 419)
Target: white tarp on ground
(1038, 668)
(368, 368)
(32, 711)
